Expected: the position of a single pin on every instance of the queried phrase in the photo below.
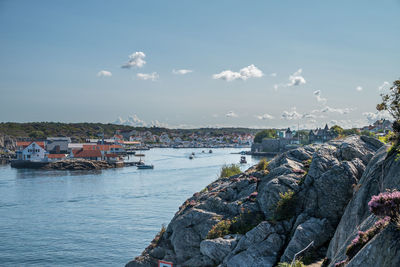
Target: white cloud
(319, 97)
(296, 79)
(181, 72)
(309, 116)
(265, 116)
(244, 74)
(372, 117)
(147, 76)
(156, 123)
(273, 74)
(341, 111)
(104, 73)
(291, 115)
(135, 60)
(227, 75)
(359, 88)
(132, 120)
(384, 86)
(231, 114)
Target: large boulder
(382, 250)
(381, 173)
(217, 249)
(313, 230)
(321, 189)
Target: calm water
(103, 218)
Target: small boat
(203, 151)
(191, 157)
(243, 160)
(145, 167)
(210, 151)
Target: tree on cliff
(391, 103)
(269, 133)
(337, 129)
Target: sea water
(98, 218)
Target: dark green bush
(286, 206)
(240, 224)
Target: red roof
(56, 156)
(100, 147)
(87, 153)
(25, 144)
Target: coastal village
(288, 139)
(113, 150)
(124, 142)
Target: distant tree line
(81, 131)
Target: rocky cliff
(7, 142)
(316, 193)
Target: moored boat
(144, 167)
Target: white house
(33, 151)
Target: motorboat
(243, 160)
(191, 157)
(145, 167)
(210, 151)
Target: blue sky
(52, 54)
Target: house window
(28, 156)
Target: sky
(189, 64)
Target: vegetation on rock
(386, 204)
(229, 170)
(285, 207)
(262, 165)
(363, 237)
(297, 263)
(238, 225)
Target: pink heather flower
(340, 263)
(385, 204)
(254, 194)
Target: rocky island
(316, 194)
(67, 164)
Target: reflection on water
(34, 173)
(76, 218)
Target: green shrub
(229, 170)
(394, 150)
(286, 205)
(238, 225)
(297, 263)
(222, 228)
(262, 165)
(245, 222)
